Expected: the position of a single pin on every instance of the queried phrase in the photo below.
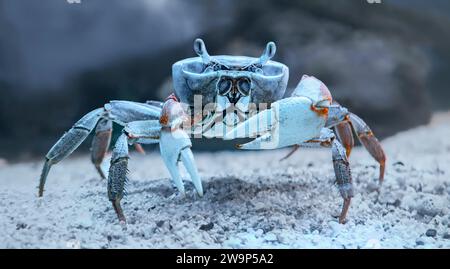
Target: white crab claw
(263, 142)
(175, 146)
(288, 122)
(188, 161)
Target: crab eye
(224, 86)
(244, 85)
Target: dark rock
(160, 223)
(431, 233)
(20, 226)
(446, 236)
(396, 203)
(207, 227)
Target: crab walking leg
(100, 144)
(339, 115)
(293, 150)
(340, 163)
(68, 143)
(145, 132)
(370, 142)
(341, 166)
(343, 177)
(345, 135)
(338, 118)
(139, 148)
(324, 140)
(117, 177)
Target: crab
(226, 97)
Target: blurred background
(387, 62)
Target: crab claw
(289, 121)
(175, 145)
(188, 161)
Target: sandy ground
(252, 201)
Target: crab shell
(192, 77)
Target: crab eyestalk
(268, 53)
(200, 49)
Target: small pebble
(446, 236)
(259, 232)
(431, 233)
(207, 227)
(270, 237)
(21, 226)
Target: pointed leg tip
(345, 207)
(118, 209)
(40, 192)
(284, 158)
(378, 191)
(380, 180)
(380, 183)
(100, 171)
(123, 225)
